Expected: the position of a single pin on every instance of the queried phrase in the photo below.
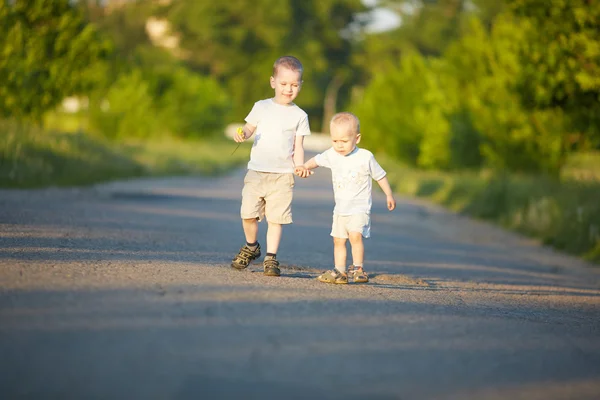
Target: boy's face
(287, 84)
(343, 138)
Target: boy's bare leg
(339, 254)
(250, 227)
(273, 237)
(358, 248)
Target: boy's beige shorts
(268, 194)
(344, 224)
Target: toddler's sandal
(359, 276)
(333, 276)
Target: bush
(172, 101)
(465, 109)
(563, 214)
(406, 113)
(31, 157)
(488, 69)
(193, 105)
(128, 109)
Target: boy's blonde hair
(289, 62)
(347, 118)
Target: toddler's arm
(385, 186)
(304, 170)
(246, 132)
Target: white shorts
(344, 224)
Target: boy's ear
(272, 80)
(358, 138)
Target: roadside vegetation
(563, 213)
(33, 158)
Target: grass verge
(31, 158)
(564, 214)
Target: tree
(428, 27)
(46, 49)
(488, 69)
(237, 42)
(561, 61)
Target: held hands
(303, 172)
(240, 135)
(391, 203)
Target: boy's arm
(385, 186)
(299, 150)
(247, 132)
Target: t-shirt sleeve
(255, 114)
(303, 127)
(323, 159)
(375, 169)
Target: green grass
(33, 158)
(582, 167)
(562, 213)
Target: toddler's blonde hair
(347, 118)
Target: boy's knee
(339, 241)
(355, 237)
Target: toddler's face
(287, 84)
(343, 138)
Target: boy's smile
(287, 84)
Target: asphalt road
(124, 291)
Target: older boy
(352, 170)
(280, 127)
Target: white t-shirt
(352, 179)
(276, 129)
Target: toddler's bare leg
(273, 237)
(250, 229)
(358, 248)
(339, 254)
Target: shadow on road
(191, 341)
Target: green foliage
(565, 215)
(45, 50)
(33, 158)
(439, 102)
(428, 27)
(560, 56)
(238, 41)
(124, 25)
(474, 105)
(433, 25)
(173, 100)
(488, 69)
(414, 113)
(127, 109)
(582, 166)
(193, 105)
(387, 109)
(30, 157)
(465, 142)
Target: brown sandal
(359, 275)
(333, 276)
